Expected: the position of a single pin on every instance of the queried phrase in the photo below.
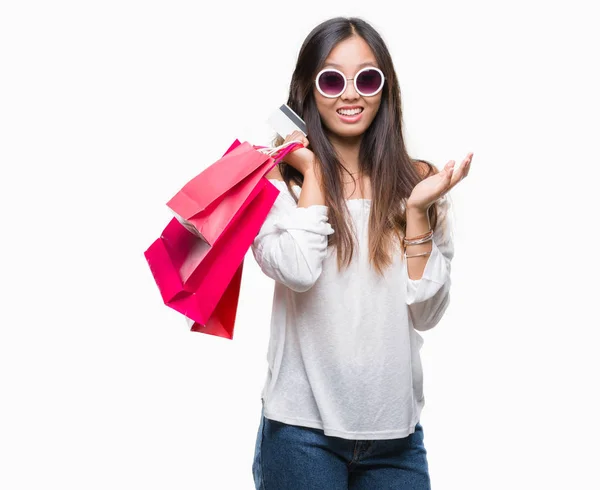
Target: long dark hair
(382, 156)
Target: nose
(350, 93)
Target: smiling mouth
(350, 112)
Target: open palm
(432, 188)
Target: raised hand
(432, 188)
(301, 159)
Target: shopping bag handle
(278, 153)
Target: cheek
(376, 104)
(326, 108)
(374, 108)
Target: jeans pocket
(257, 462)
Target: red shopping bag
(209, 202)
(202, 280)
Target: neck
(348, 150)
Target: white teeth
(352, 112)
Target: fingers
(465, 166)
(460, 172)
(297, 136)
(447, 173)
(449, 166)
(468, 165)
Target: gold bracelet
(425, 237)
(417, 242)
(430, 232)
(415, 255)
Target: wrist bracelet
(425, 237)
(430, 232)
(417, 242)
(415, 255)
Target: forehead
(351, 54)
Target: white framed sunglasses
(367, 82)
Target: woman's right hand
(301, 159)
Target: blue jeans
(290, 457)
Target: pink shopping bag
(209, 202)
(198, 271)
(200, 281)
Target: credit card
(285, 121)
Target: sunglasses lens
(331, 83)
(369, 81)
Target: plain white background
(108, 108)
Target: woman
(359, 244)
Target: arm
(312, 193)
(292, 243)
(428, 297)
(417, 223)
(303, 160)
(428, 284)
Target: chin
(349, 131)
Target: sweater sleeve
(292, 242)
(429, 297)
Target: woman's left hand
(432, 188)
